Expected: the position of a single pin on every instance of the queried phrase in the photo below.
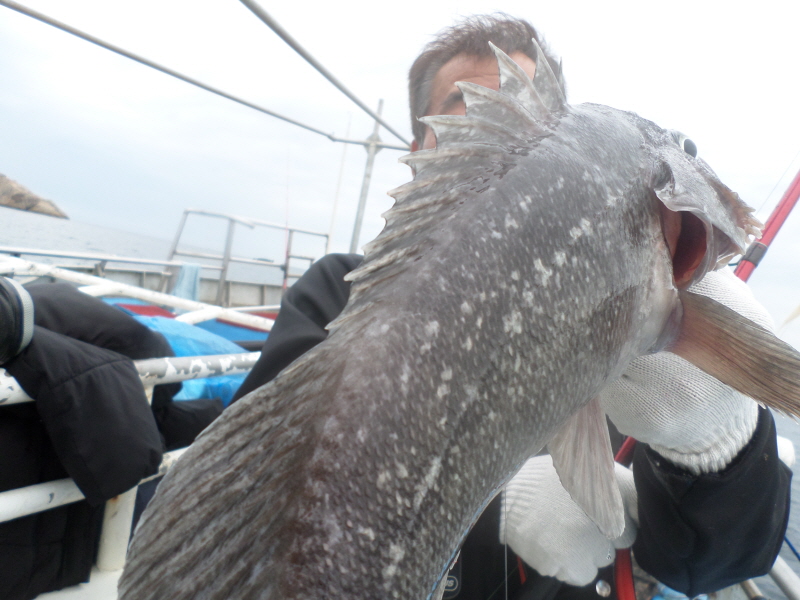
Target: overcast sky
(117, 144)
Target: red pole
(758, 249)
(623, 575)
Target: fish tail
(739, 353)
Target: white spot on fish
(367, 532)
(479, 322)
(443, 390)
(586, 226)
(384, 477)
(447, 374)
(466, 308)
(543, 272)
(527, 297)
(384, 328)
(427, 483)
(575, 233)
(396, 554)
(513, 322)
(515, 275)
(559, 258)
(497, 235)
(467, 345)
(511, 223)
(432, 328)
(402, 471)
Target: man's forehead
(482, 70)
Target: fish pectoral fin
(582, 456)
(739, 353)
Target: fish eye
(690, 147)
(685, 143)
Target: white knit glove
(543, 525)
(688, 417)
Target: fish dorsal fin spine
(451, 129)
(514, 82)
(472, 152)
(548, 85)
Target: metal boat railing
(118, 514)
(227, 257)
(97, 286)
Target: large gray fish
(534, 255)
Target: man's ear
(414, 146)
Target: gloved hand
(543, 525)
(688, 417)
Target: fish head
(705, 223)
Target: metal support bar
(99, 286)
(174, 248)
(372, 150)
(149, 63)
(284, 35)
(44, 496)
(180, 368)
(154, 371)
(287, 258)
(786, 579)
(92, 256)
(751, 590)
(226, 261)
(37, 498)
(116, 531)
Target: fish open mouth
(686, 238)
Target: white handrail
(154, 371)
(97, 286)
(786, 579)
(44, 496)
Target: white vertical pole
(117, 521)
(362, 201)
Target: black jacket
(90, 421)
(697, 534)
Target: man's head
(462, 53)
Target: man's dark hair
(471, 37)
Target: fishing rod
(756, 251)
